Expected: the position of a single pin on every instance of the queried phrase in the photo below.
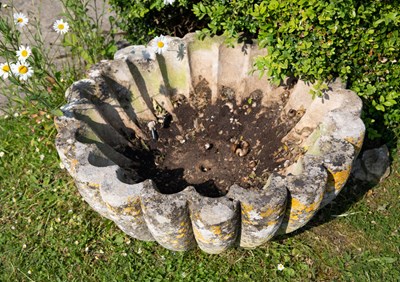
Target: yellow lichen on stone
(216, 230)
(182, 232)
(299, 208)
(272, 222)
(175, 243)
(228, 236)
(74, 163)
(269, 212)
(340, 178)
(94, 185)
(180, 235)
(245, 210)
(132, 210)
(356, 142)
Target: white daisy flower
(1, 154)
(280, 267)
(160, 44)
(60, 26)
(5, 70)
(20, 19)
(23, 53)
(23, 70)
(166, 2)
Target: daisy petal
(20, 19)
(5, 70)
(23, 53)
(160, 44)
(22, 70)
(60, 26)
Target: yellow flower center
(20, 20)
(23, 69)
(160, 44)
(24, 53)
(60, 26)
(6, 68)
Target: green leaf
(70, 39)
(202, 8)
(388, 103)
(273, 5)
(380, 108)
(86, 56)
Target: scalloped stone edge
(248, 218)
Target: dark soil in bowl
(213, 146)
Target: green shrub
(319, 40)
(88, 41)
(312, 40)
(143, 20)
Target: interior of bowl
(195, 115)
(188, 136)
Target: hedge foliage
(314, 40)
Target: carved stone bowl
(116, 119)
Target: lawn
(47, 233)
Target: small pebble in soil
(180, 139)
(252, 164)
(204, 169)
(240, 148)
(230, 106)
(152, 127)
(208, 146)
(285, 95)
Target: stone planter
(112, 115)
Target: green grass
(47, 233)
